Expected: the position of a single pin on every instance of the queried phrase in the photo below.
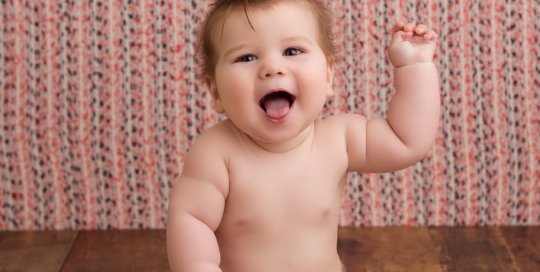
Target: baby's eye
(292, 51)
(246, 58)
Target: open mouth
(277, 104)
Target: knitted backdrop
(99, 104)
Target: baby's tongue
(276, 107)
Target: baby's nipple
(241, 222)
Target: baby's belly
(273, 242)
(272, 253)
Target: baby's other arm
(196, 208)
(408, 132)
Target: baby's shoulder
(339, 123)
(334, 125)
(218, 137)
(212, 148)
(334, 128)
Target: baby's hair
(205, 48)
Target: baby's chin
(272, 135)
(280, 141)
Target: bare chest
(272, 192)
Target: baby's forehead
(249, 19)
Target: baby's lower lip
(280, 120)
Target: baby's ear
(212, 87)
(330, 78)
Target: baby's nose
(277, 73)
(271, 68)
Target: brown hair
(220, 9)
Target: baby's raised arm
(405, 137)
(196, 208)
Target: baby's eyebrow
(297, 38)
(234, 49)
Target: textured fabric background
(99, 105)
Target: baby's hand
(408, 47)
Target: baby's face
(282, 55)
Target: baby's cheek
(234, 87)
(314, 78)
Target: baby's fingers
(398, 27)
(420, 29)
(431, 35)
(408, 27)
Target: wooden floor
(360, 249)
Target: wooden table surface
(360, 249)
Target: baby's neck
(288, 146)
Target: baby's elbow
(418, 153)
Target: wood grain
(387, 249)
(473, 249)
(524, 242)
(360, 249)
(119, 250)
(34, 250)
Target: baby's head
(252, 48)
(214, 22)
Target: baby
(260, 191)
